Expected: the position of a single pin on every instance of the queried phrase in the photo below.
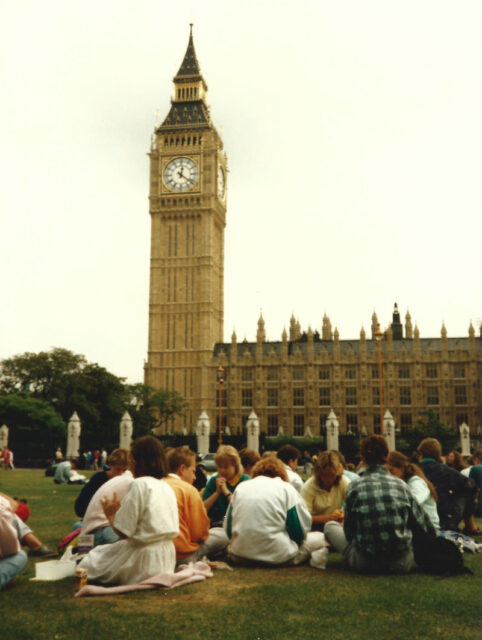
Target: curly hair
(271, 467)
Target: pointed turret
(190, 66)
(189, 106)
(261, 333)
(374, 325)
(443, 331)
(326, 332)
(408, 326)
(471, 330)
(396, 326)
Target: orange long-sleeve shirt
(193, 519)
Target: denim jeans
(11, 567)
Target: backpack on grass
(436, 555)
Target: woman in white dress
(147, 521)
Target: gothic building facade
(291, 384)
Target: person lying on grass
(147, 522)
(221, 485)
(268, 522)
(25, 535)
(377, 536)
(196, 539)
(325, 492)
(12, 558)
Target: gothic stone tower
(188, 216)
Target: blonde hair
(227, 453)
(327, 461)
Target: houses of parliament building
(291, 384)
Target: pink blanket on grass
(192, 572)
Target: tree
(41, 374)
(152, 408)
(69, 383)
(35, 428)
(428, 426)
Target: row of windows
(351, 396)
(187, 93)
(324, 372)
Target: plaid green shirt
(378, 511)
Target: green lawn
(244, 604)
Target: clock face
(181, 174)
(221, 183)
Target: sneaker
(42, 551)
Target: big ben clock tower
(188, 215)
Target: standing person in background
(454, 460)
(59, 456)
(289, 456)
(103, 458)
(5, 458)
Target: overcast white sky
(353, 131)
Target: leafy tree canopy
(68, 383)
(35, 428)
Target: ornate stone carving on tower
(187, 204)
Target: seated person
(195, 540)
(118, 463)
(289, 456)
(12, 558)
(456, 493)
(147, 522)
(475, 474)
(268, 521)
(221, 485)
(65, 473)
(95, 521)
(325, 492)
(377, 535)
(200, 480)
(25, 535)
(249, 458)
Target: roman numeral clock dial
(181, 174)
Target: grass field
(244, 604)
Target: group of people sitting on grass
(147, 516)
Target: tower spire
(190, 66)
